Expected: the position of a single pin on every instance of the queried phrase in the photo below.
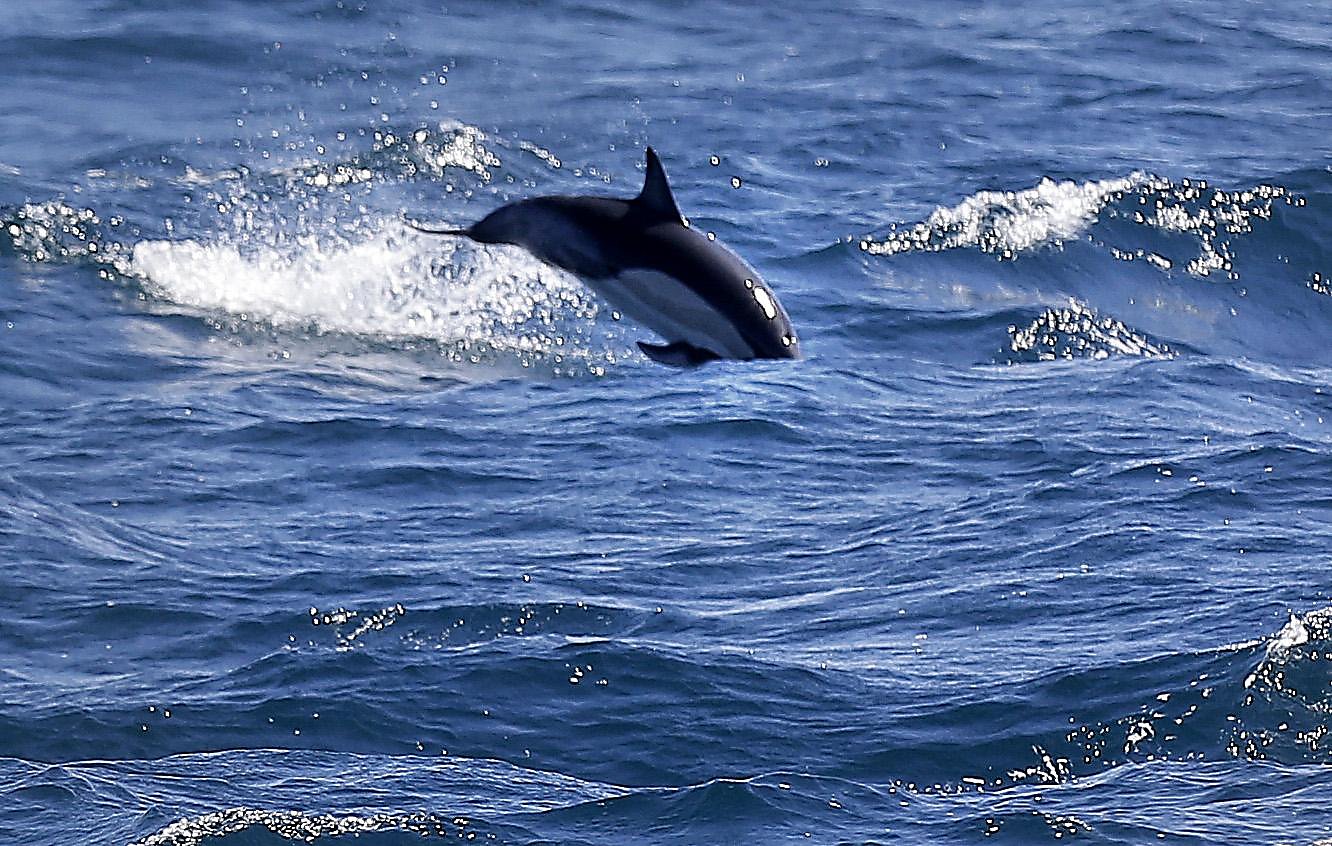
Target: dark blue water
(314, 528)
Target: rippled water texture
(318, 529)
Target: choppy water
(315, 528)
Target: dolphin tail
(466, 233)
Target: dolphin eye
(765, 300)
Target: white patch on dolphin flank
(668, 307)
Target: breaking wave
(1259, 700)
(1139, 248)
(1007, 223)
(1077, 331)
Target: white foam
(1008, 222)
(389, 285)
(1078, 331)
(1293, 634)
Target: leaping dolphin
(643, 257)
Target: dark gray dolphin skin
(643, 257)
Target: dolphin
(642, 256)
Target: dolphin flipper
(678, 354)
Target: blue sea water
(313, 528)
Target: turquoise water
(314, 528)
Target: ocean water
(316, 529)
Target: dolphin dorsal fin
(656, 200)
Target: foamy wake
(394, 285)
(375, 279)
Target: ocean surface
(317, 529)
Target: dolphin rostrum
(643, 257)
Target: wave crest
(300, 827)
(1077, 331)
(1007, 223)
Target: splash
(1212, 217)
(365, 623)
(391, 286)
(55, 231)
(1291, 687)
(1078, 331)
(1008, 222)
(303, 828)
(433, 151)
(1265, 699)
(301, 248)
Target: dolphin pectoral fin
(678, 354)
